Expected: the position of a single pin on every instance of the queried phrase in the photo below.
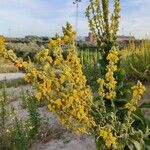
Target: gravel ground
(58, 138)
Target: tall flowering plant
(112, 114)
(120, 123)
(58, 79)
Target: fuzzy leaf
(138, 115)
(145, 105)
(137, 145)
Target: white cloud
(137, 20)
(44, 17)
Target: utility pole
(76, 2)
(9, 32)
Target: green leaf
(121, 75)
(130, 145)
(138, 115)
(120, 102)
(136, 144)
(99, 143)
(147, 143)
(119, 86)
(124, 101)
(145, 105)
(138, 118)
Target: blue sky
(46, 17)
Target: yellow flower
(52, 44)
(111, 95)
(113, 56)
(34, 72)
(18, 64)
(66, 39)
(111, 140)
(103, 133)
(108, 137)
(51, 107)
(130, 106)
(62, 79)
(101, 90)
(109, 76)
(58, 102)
(138, 91)
(2, 42)
(38, 96)
(48, 76)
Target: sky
(46, 17)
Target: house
(123, 38)
(91, 39)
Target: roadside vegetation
(87, 91)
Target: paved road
(11, 76)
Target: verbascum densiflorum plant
(58, 79)
(109, 82)
(112, 114)
(103, 24)
(117, 109)
(120, 123)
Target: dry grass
(7, 67)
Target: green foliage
(34, 116)
(18, 134)
(119, 127)
(3, 100)
(91, 67)
(3, 116)
(13, 83)
(136, 60)
(6, 66)
(103, 24)
(92, 73)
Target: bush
(18, 134)
(112, 114)
(91, 66)
(136, 60)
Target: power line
(76, 2)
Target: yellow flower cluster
(73, 99)
(138, 91)
(2, 42)
(108, 137)
(107, 86)
(113, 56)
(101, 90)
(60, 81)
(68, 38)
(103, 24)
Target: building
(91, 39)
(123, 38)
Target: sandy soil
(57, 138)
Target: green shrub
(91, 67)
(18, 134)
(31, 105)
(136, 60)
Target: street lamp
(76, 2)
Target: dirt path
(56, 137)
(10, 76)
